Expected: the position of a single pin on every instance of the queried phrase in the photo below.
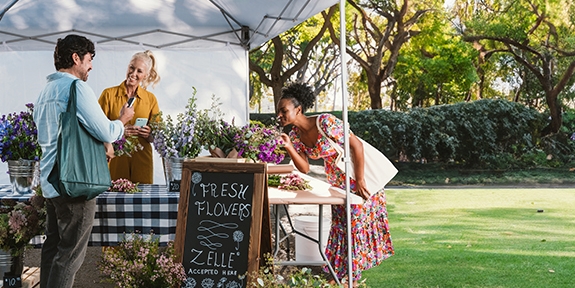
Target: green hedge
(490, 134)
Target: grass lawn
(479, 238)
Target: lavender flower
(177, 138)
(194, 130)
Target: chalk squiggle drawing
(206, 240)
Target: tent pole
(247, 87)
(7, 8)
(343, 49)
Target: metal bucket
(9, 268)
(173, 169)
(24, 175)
(5, 263)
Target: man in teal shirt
(69, 220)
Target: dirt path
(88, 277)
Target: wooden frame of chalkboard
(218, 233)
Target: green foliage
(294, 56)
(568, 126)
(304, 278)
(526, 45)
(384, 129)
(474, 134)
(435, 67)
(434, 174)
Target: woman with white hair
(140, 74)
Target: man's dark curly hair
(300, 94)
(71, 44)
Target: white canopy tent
(198, 43)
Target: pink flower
(17, 220)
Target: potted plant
(19, 147)
(175, 140)
(19, 223)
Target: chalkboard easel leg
(266, 235)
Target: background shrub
(483, 134)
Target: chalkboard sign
(12, 281)
(174, 186)
(219, 222)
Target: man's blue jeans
(68, 226)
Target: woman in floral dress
(369, 224)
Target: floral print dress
(370, 227)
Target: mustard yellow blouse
(139, 167)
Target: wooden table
(320, 195)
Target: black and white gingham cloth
(119, 214)
(6, 193)
(152, 210)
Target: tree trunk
(374, 88)
(277, 90)
(554, 111)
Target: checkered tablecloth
(118, 214)
(152, 210)
(6, 193)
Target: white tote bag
(378, 170)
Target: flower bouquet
(19, 147)
(196, 129)
(140, 262)
(20, 222)
(215, 134)
(19, 136)
(293, 182)
(124, 185)
(127, 146)
(176, 138)
(259, 143)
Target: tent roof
(158, 24)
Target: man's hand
(109, 151)
(126, 114)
